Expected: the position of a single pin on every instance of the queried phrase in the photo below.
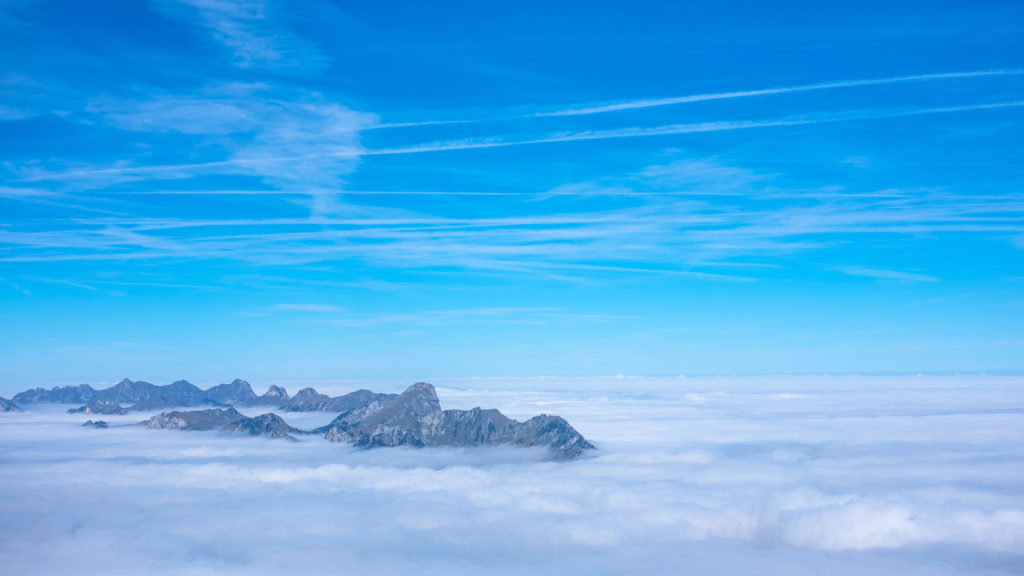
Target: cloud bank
(717, 476)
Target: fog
(782, 475)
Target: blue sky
(317, 190)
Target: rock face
(269, 425)
(8, 406)
(237, 392)
(366, 419)
(306, 400)
(63, 395)
(274, 395)
(309, 400)
(99, 406)
(415, 418)
(128, 392)
(212, 419)
(95, 424)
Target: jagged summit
(415, 418)
(8, 406)
(235, 392)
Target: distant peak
(420, 387)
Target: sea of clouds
(781, 475)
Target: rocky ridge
(142, 396)
(365, 419)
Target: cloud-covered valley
(839, 475)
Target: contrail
(651, 103)
(686, 128)
(498, 142)
(583, 110)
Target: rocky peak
(306, 400)
(276, 392)
(236, 392)
(420, 398)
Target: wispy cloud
(250, 29)
(671, 225)
(897, 275)
(692, 128)
(655, 102)
(327, 308)
(285, 154)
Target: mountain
(365, 419)
(274, 395)
(99, 406)
(269, 425)
(8, 406)
(306, 400)
(415, 418)
(181, 393)
(237, 392)
(95, 424)
(211, 419)
(63, 395)
(128, 392)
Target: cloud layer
(718, 476)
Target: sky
(788, 475)
(207, 189)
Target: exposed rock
(415, 418)
(275, 395)
(99, 406)
(95, 424)
(128, 392)
(237, 392)
(63, 395)
(269, 425)
(306, 400)
(8, 406)
(212, 419)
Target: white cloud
(766, 475)
(250, 29)
(656, 102)
(307, 308)
(897, 275)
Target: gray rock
(99, 406)
(275, 395)
(306, 400)
(236, 392)
(128, 392)
(63, 395)
(269, 425)
(95, 424)
(211, 419)
(415, 418)
(8, 406)
(181, 394)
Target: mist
(781, 475)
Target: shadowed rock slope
(8, 406)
